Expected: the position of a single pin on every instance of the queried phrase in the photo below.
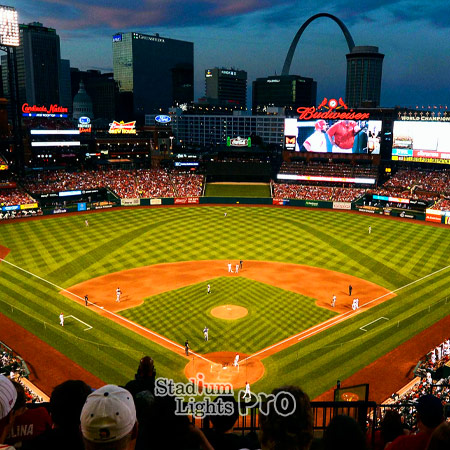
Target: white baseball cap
(108, 414)
(8, 396)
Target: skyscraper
(364, 69)
(285, 91)
(227, 87)
(158, 72)
(38, 65)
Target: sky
(255, 35)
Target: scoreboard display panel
(424, 142)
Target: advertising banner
(59, 211)
(186, 201)
(433, 218)
(277, 201)
(8, 185)
(82, 206)
(155, 201)
(29, 206)
(342, 205)
(310, 203)
(447, 220)
(11, 208)
(130, 202)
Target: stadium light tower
(9, 41)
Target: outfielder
(61, 319)
(205, 333)
(208, 289)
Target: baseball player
(229, 268)
(208, 289)
(205, 333)
(186, 347)
(350, 289)
(237, 268)
(356, 303)
(240, 264)
(370, 229)
(247, 391)
(118, 293)
(236, 360)
(333, 301)
(224, 214)
(86, 299)
(86, 222)
(61, 319)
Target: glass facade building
(364, 69)
(213, 130)
(286, 91)
(157, 71)
(226, 86)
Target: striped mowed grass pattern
(273, 314)
(237, 190)
(65, 252)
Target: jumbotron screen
(421, 142)
(333, 136)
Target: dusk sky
(254, 35)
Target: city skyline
(255, 36)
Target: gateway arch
(290, 54)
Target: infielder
(247, 391)
(333, 301)
(237, 268)
(208, 289)
(61, 319)
(118, 293)
(205, 333)
(186, 347)
(229, 268)
(86, 299)
(236, 360)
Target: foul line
(84, 323)
(334, 321)
(373, 321)
(117, 316)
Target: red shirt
(343, 133)
(30, 424)
(417, 441)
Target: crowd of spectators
(329, 169)
(15, 196)
(442, 205)
(140, 183)
(325, 193)
(437, 181)
(137, 416)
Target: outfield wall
(429, 215)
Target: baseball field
(275, 312)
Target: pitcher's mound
(218, 368)
(229, 312)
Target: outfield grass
(65, 252)
(273, 314)
(237, 190)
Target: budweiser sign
(329, 109)
(122, 127)
(54, 109)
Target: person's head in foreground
(287, 432)
(8, 397)
(108, 419)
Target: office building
(214, 130)
(286, 91)
(101, 88)
(38, 65)
(153, 72)
(364, 69)
(65, 96)
(226, 87)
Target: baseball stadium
(228, 255)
